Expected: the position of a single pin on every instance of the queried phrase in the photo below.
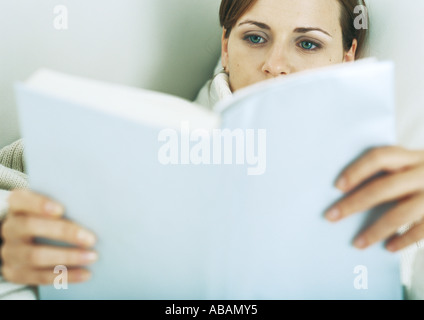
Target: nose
(277, 62)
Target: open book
(193, 204)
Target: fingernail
(89, 256)
(341, 184)
(53, 208)
(86, 238)
(360, 242)
(83, 276)
(333, 214)
(391, 247)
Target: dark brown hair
(231, 11)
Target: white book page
(146, 106)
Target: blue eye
(255, 39)
(308, 45)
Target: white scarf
(214, 90)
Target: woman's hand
(26, 262)
(404, 183)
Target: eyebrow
(256, 23)
(297, 30)
(305, 30)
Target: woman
(258, 44)
(261, 39)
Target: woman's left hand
(404, 183)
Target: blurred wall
(146, 43)
(396, 34)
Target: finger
(379, 191)
(391, 222)
(43, 276)
(25, 201)
(26, 228)
(411, 236)
(390, 159)
(39, 256)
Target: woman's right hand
(26, 262)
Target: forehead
(295, 13)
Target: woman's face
(280, 37)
